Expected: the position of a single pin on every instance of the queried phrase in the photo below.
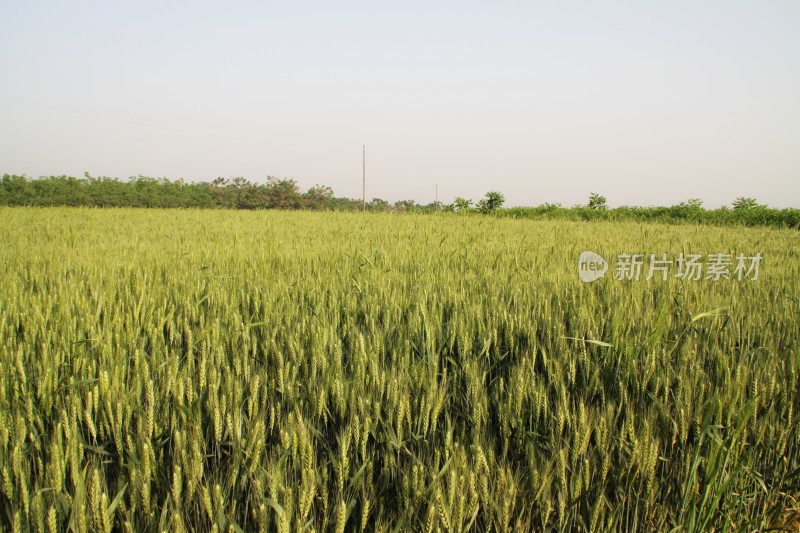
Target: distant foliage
(141, 191)
(461, 204)
(282, 193)
(744, 203)
(597, 201)
(494, 200)
(677, 214)
(692, 203)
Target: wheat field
(201, 370)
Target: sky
(646, 103)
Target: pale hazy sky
(648, 103)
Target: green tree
(461, 204)
(319, 197)
(744, 203)
(493, 201)
(405, 205)
(283, 194)
(377, 204)
(694, 203)
(597, 201)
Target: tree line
(142, 191)
(743, 211)
(240, 193)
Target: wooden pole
(363, 177)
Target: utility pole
(436, 202)
(363, 177)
